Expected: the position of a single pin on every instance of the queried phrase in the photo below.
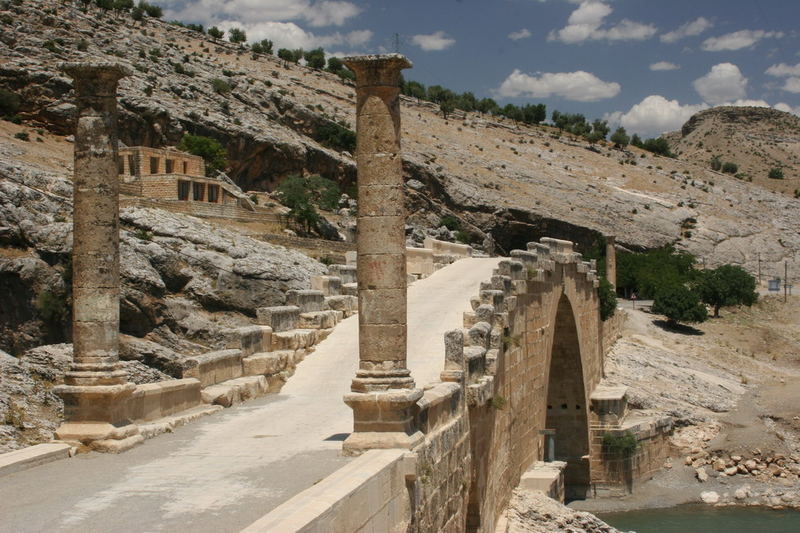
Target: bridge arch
(545, 367)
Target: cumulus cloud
(792, 85)
(723, 83)
(664, 65)
(434, 41)
(586, 24)
(579, 86)
(690, 29)
(317, 13)
(738, 40)
(655, 115)
(783, 106)
(782, 69)
(524, 33)
(290, 35)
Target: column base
(96, 417)
(99, 436)
(383, 419)
(358, 443)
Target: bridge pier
(383, 392)
(96, 390)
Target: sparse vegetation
(775, 174)
(616, 445)
(220, 86)
(212, 152)
(730, 168)
(336, 136)
(22, 136)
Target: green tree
(637, 141)
(303, 195)
(123, 5)
(727, 285)
(290, 56)
(446, 107)
(336, 136)
(620, 137)
(215, 33)
(212, 152)
(679, 304)
(658, 146)
(608, 299)
(237, 35)
(266, 46)
(600, 127)
(315, 58)
(151, 10)
(335, 64)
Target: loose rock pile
(762, 467)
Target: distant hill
(756, 139)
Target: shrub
(775, 174)
(22, 136)
(336, 136)
(9, 103)
(82, 45)
(212, 152)
(730, 168)
(608, 299)
(450, 222)
(620, 445)
(716, 163)
(220, 86)
(143, 234)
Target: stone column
(611, 260)
(96, 389)
(383, 394)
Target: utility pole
(759, 269)
(785, 279)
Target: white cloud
(782, 106)
(253, 12)
(655, 115)
(524, 33)
(290, 35)
(690, 29)
(782, 69)
(434, 41)
(738, 40)
(664, 65)
(723, 83)
(585, 24)
(579, 86)
(792, 85)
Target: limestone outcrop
(534, 512)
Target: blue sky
(644, 64)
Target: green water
(705, 519)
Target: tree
(303, 195)
(315, 58)
(290, 56)
(266, 46)
(620, 137)
(679, 304)
(637, 141)
(658, 146)
(446, 107)
(151, 10)
(727, 285)
(122, 5)
(212, 152)
(237, 35)
(730, 168)
(600, 127)
(215, 33)
(608, 299)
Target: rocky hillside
(756, 139)
(502, 180)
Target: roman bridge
(459, 384)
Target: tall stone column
(96, 389)
(383, 395)
(611, 260)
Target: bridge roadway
(222, 473)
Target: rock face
(533, 512)
(507, 184)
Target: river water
(705, 519)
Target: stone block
(152, 401)
(251, 339)
(320, 319)
(350, 258)
(350, 289)
(381, 235)
(279, 318)
(308, 301)
(327, 285)
(268, 363)
(213, 367)
(235, 390)
(348, 305)
(382, 271)
(31, 456)
(294, 339)
(347, 273)
(382, 342)
(386, 306)
(419, 262)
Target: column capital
(377, 70)
(95, 78)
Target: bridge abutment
(96, 390)
(383, 394)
